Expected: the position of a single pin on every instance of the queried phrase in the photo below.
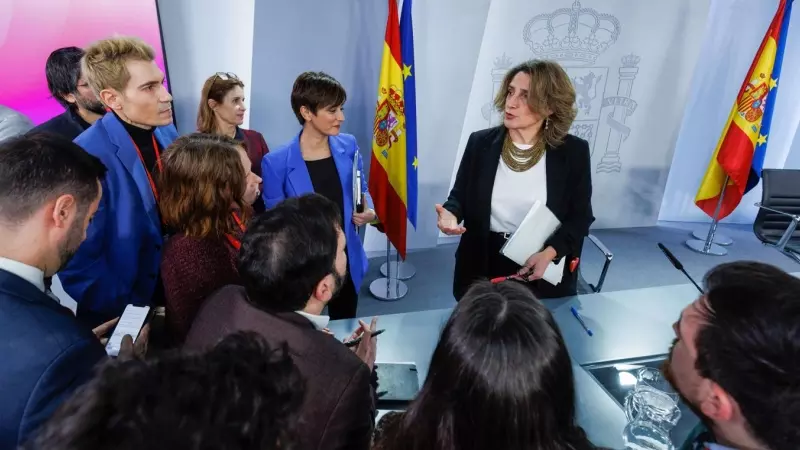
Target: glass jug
(652, 411)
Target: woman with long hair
(500, 378)
(206, 189)
(222, 110)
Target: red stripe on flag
(392, 37)
(736, 155)
(388, 206)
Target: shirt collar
(28, 273)
(319, 322)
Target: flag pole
(708, 246)
(388, 288)
(403, 270)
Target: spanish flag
(388, 181)
(739, 155)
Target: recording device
(357, 340)
(131, 323)
(677, 264)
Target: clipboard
(358, 195)
(535, 229)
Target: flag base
(719, 239)
(388, 289)
(706, 248)
(402, 270)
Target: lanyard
(235, 242)
(146, 170)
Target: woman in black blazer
(505, 169)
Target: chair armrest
(608, 257)
(759, 205)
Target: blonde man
(118, 263)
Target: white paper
(554, 272)
(536, 228)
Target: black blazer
(46, 356)
(569, 197)
(67, 124)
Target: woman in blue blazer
(320, 159)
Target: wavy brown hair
(550, 89)
(201, 182)
(215, 88)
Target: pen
(357, 340)
(580, 320)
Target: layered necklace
(520, 160)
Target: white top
(28, 273)
(319, 322)
(514, 193)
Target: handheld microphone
(677, 264)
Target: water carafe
(652, 411)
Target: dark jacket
(256, 149)
(338, 411)
(569, 197)
(192, 269)
(46, 355)
(68, 124)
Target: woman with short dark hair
(506, 169)
(500, 378)
(320, 159)
(205, 192)
(221, 111)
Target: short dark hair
(288, 250)
(316, 90)
(750, 346)
(501, 362)
(40, 167)
(63, 70)
(240, 395)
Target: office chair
(779, 212)
(588, 288)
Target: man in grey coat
(12, 123)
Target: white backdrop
(727, 51)
(632, 83)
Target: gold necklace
(520, 160)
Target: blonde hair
(551, 89)
(215, 88)
(103, 65)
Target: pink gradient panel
(31, 29)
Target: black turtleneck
(144, 140)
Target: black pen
(357, 340)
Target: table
(627, 325)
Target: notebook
(536, 228)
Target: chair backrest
(781, 191)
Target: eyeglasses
(224, 76)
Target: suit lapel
(14, 285)
(488, 160)
(556, 172)
(127, 154)
(345, 168)
(297, 174)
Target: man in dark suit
(292, 261)
(69, 87)
(49, 191)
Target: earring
(546, 123)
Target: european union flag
(410, 98)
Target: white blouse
(514, 193)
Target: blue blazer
(46, 355)
(118, 262)
(285, 175)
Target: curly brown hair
(201, 182)
(550, 89)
